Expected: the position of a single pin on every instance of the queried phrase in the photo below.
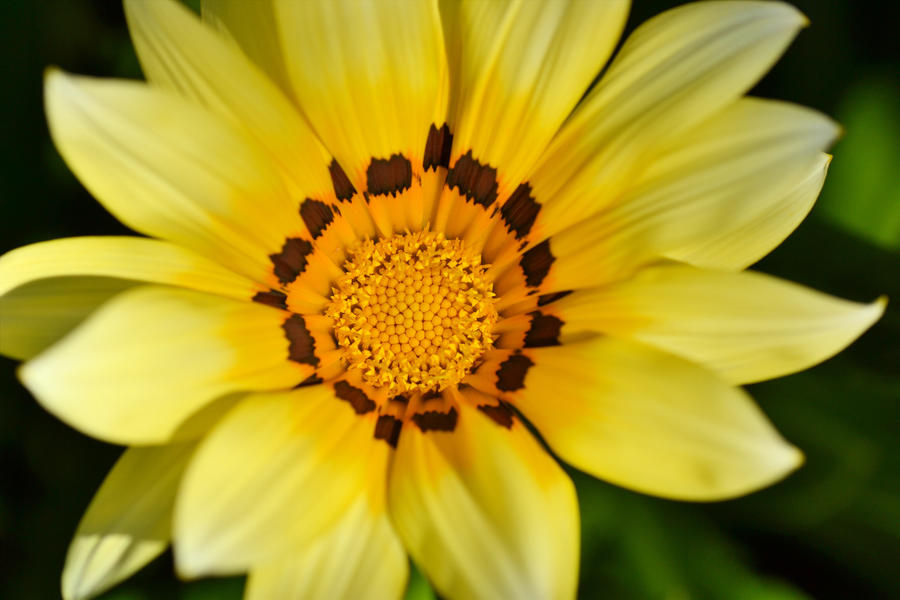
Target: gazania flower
(388, 235)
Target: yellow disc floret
(413, 312)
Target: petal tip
(793, 16)
(792, 459)
(51, 72)
(869, 314)
(54, 81)
(78, 581)
(28, 378)
(187, 565)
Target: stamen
(413, 312)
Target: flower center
(413, 312)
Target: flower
(388, 235)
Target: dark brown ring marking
(431, 395)
(302, 347)
(512, 371)
(316, 215)
(477, 182)
(544, 330)
(432, 420)
(437, 147)
(536, 263)
(520, 210)
(545, 299)
(500, 414)
(272, 298)
(311, 380)
(387, 428)
(343, 189)
(389, 176)
(361, 403)
(291, 261)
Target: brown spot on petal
(272, 298)
(311, 380)
(437, 148)
(536, 263)
(432, 420)
(361, 403)
(512, 371)
(389, 176)
(475, 181)
(544, 330)
(545, 299)
(387, 428)
(291, 261)
(431, 395)
(343, 189)
(302, 347)
(520, 211)
(501, 414)
(316, 215)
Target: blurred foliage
(864, 190)
(832, 530)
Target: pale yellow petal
(272, 478)
(724, 212)
(37, 314)
(745, 326)
(171, 169)
(361, 558)
(518, 69)
(129, 521)
(178, 52)
(252, 26)
(680, 216)
(147, 360)
(134, 258)
(370, 77)
(673, 72)
(49, 287)
(746, 241)
(748, 162)
(484, 511)
(651, 422)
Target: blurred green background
(832, 530)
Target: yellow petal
(725, 214)
(745, 326)
(485, 511)
(680, 217)
(273, 477)
(36, 315)
(591, 253)
(178, 52)
(129, 521)
(360, 558)
(151, 357)
(172, 170)
(47, 288)
(518, 69)
(252, 26)
(371, 77)
(746, 241)
(135, 258)
(672, 73)
(650, 421)
(724, 177)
